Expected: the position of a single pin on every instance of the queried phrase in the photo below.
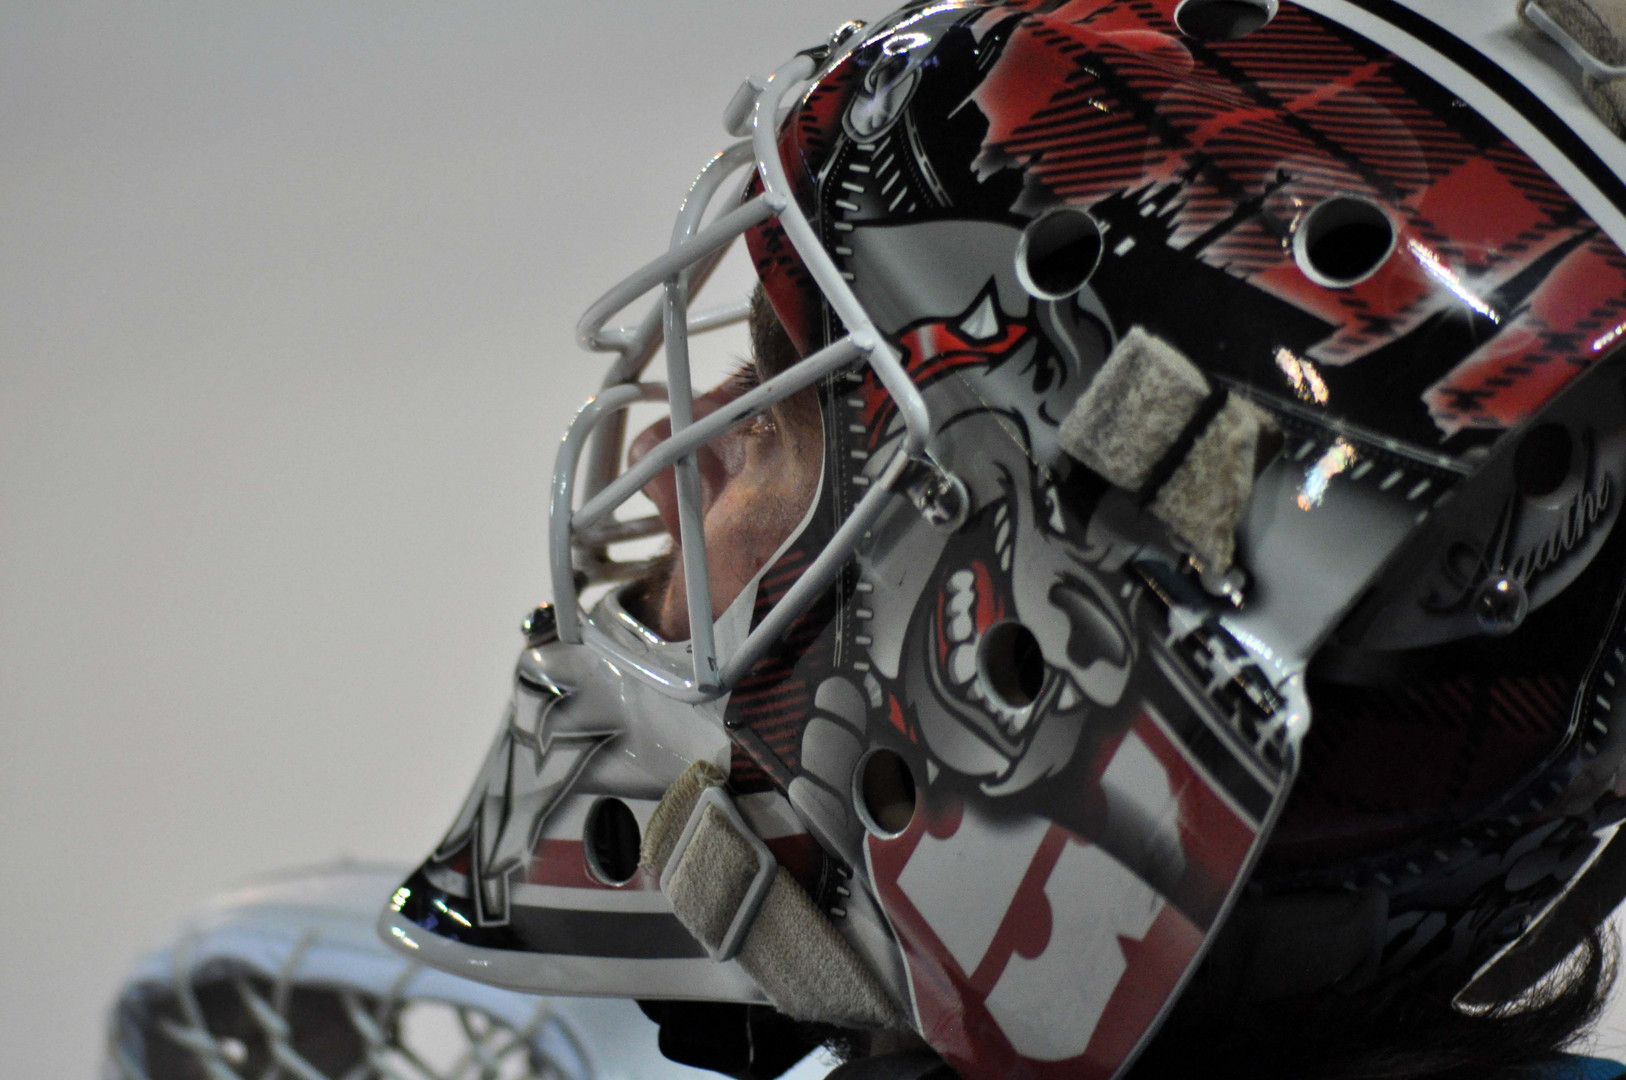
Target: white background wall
(286, 306)
(287, 296)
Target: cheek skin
(750, 517)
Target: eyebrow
(773, 353)
(771, 348)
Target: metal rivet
(540, 626)
(1501, 605)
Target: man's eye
(747, 377)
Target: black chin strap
(905, 1065)
(747, 1042)
(754, 1042)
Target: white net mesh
(248, 1028)
(288, 981)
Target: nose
(715, 460)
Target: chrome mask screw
(822, 53)
(843, 32)
(1501, 605)
(940, 496)
(540, 626)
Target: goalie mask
(1223, 433)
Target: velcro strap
(1151, 423)
(741, 905)
(710, 872)
(1593, 32)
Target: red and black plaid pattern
(1101, 94)
(1448, 750)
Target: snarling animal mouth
(1005, 709)
(1022, 637)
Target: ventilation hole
(1222, 20)
(1541, 464)
(612, 842)
(886, 793)
(1011, 664)
(1342, 241)
(1058, 252)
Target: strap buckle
(761, 882)
(1589, 61)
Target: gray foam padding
(1131, 417)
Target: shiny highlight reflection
(1609, 338)
(926, 13)
(440, 905)
(1306, 381)
(1435, 267)
(1337, 459)
(902, 43)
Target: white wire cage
(588, 483)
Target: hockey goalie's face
(757, 482)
